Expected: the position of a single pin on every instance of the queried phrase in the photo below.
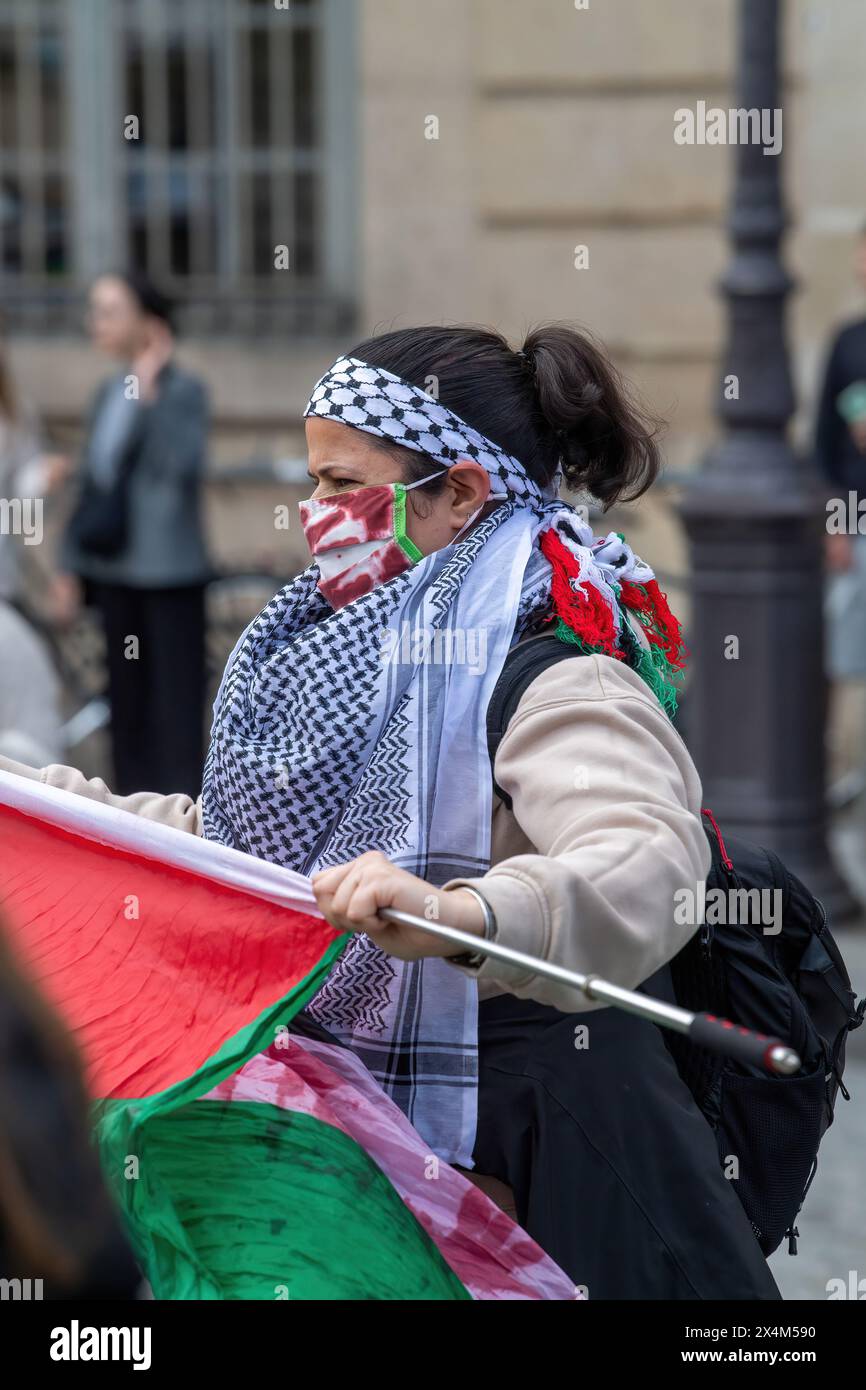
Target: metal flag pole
(705, 1030)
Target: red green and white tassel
(594, 586)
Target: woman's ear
(470, 484)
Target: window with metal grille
(192, 138)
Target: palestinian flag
(252, 1156)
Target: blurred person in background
(57, 1222)
(29, 692)
(135, 537)
(840, 450)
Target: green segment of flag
(244, 1200)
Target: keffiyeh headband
(378, 402)
(593, 578)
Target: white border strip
(165, 844)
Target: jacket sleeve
(177, 810)
(604, 788)
(178, 443)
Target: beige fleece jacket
(605, 828)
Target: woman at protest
(346, 753)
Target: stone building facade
(477, 161)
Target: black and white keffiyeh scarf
(338, 732)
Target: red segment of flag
(152, 967)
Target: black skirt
(614, 1169)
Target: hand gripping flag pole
(706, 1030)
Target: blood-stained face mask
(358, 538)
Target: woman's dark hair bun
(607, 442)
(558, 400)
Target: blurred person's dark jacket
(57, 1220)
(840, 460)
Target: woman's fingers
(328, 880)
(369, 893)
(348, 897)
(332, 887)
(341, 892)
(352, 895)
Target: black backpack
(792, 985)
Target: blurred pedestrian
(840, 450)
(135, 537)
(29, 690)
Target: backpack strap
(523, 663)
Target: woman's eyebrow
(325, 469)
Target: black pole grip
(720, 1035)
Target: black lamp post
(754, 519)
